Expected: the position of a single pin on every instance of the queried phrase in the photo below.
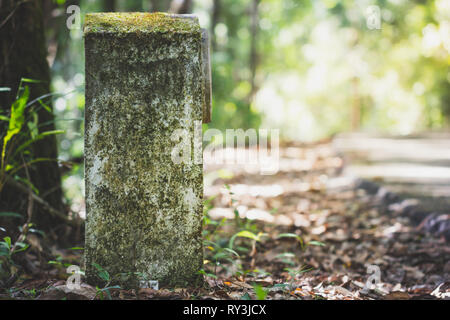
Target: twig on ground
(42, 202)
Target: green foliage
(231, 245)
(17, 153)
(231, 75)
(318, 59)
(221, 250)
(101, 292)
(315, 60)
(10, 214)
(8, 267)
(16, 120)
(59, 262)
(260, 292)
(105, 276)
(246, 234)
(206, 274)
(316, 243)
(16, 157)
(102, 273)
(291, 235)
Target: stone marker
(147, 75)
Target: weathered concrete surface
(144, 212)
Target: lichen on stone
(138, 22)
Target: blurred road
(416, 166)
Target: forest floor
(307, 232)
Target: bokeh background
(311, 69)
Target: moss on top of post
(139, 22)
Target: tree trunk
(214, 20)
(181, 7)
(356, 105)
(160, 5)
(254, 28)
(109, 5)
(23, 55)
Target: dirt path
(307, 232)
(349, 225)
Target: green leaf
(102, 273)
(203, 272)
(288, 235)
(28, 80)
(231, 251)
(27, 182)
(45, 106)
(37, 138)
(291, 235)
(10, 214)
(33, 230)
(316, 243)
(8, 242)
(33, 125)
(260, 292)
(16, 121)
(30, 163)
(246, 234)
(20, 246)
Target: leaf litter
(304, 233)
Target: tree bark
(109, 5)
(23, 55)
(214, 20)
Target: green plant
(260, 292)
(294, 272)
(316, 243)
(58, 262)
(206, 274)
(8, 268)
(105, 276)
(292, 235)
(220, 248)
(22, 131)
(247, 234)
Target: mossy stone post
(145, 78)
